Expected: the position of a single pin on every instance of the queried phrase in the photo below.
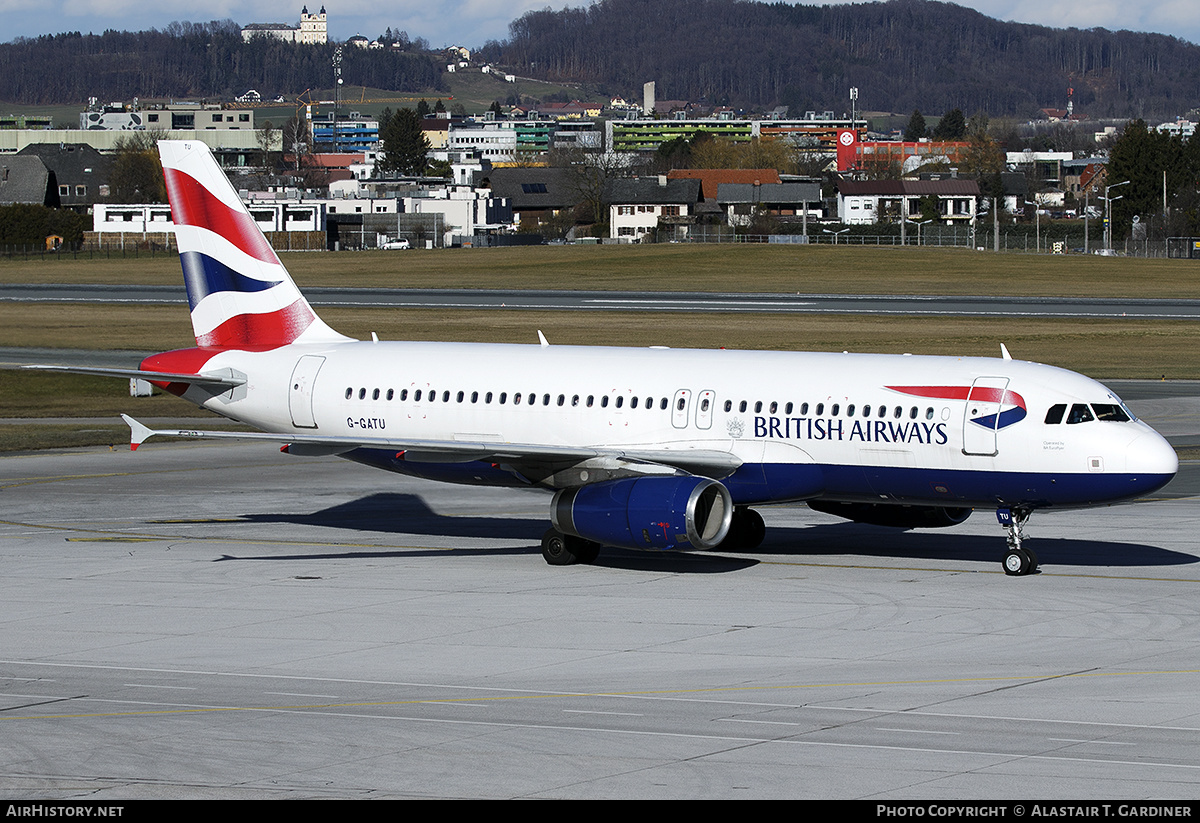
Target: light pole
(854, 110)
(918, 224)
(337, 81)
(1037, 223)
(835, 234)
(1108, 201)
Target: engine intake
(680, 513)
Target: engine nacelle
(899, 516)
(681, 513)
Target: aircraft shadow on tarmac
(408, 514)
(860, 540)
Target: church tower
(314, 28)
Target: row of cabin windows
(835, 409)
(531, 399)
(1080, 413)
(517, 398)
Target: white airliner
(643, 448)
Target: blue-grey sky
(473, 22)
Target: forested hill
(902, 55)
(192, 60)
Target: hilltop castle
(313, 28)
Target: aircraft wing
(535, 459)
(226, 381)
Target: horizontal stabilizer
(227, 382)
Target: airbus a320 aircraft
(643, 448)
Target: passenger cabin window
(1055, 414)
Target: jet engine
(903, 517)
(681, 513)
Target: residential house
(862, 202)
(641, 205)
(785, 202)
(538, 195)
(81, 173)
(26, 180)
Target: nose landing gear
(1019, 559)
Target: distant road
(963, 306)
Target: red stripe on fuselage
(194, 205)
(982, 394)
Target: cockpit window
(1055, 415)
(1110, 412)
(1080, 413)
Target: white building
(464, 211)
(1181, 128)
(861, 202)
(134, 219)
(494, 141)
(313, 29)
(641, 205)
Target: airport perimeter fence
(1010, 241)
(32, 252)
(1020, 239)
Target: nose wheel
(1019, 559)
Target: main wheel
(746, 531)
(753, 529)
(560, 549)
(555, 549)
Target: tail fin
(240, 294)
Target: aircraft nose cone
(1153, 460)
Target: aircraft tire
(745, 532)
(556, 550)
(1033, 559)
(560, 549)
(753, 529)
(1018, 562)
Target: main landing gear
(1018, 558)
(746, 531)
(566, 549)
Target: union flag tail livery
(240, 294)
(647, 449)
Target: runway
(195, 620)
(701, 302)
